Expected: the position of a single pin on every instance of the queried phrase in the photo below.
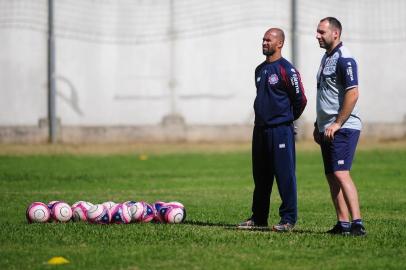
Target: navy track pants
(273, 156)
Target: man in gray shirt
(338, 125)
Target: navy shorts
(338, 154)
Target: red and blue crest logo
(273, 79)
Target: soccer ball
(175, 215)
(61, 211)
(172, 214)
(157, 206)
(120, 213)
(142, 212)
(49, 205)
(38, 212)
(99, 214)
(79, 213)
(149, 213)
(79, 210)
(137, 211)
(109, 204)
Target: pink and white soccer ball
(98, 214)
(50, 205)
(109, 204)
(175, 215)
(120, 214)
(149, 213)
(79, 210)
(172, 213)
(137, 211)
(61, 211)
(38, 212)
(142, 212)
(157, 206)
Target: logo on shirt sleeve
(349, 71)
(294, 80)
(273, 79)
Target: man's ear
(336, 33)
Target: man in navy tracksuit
(280, 100)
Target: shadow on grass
(209, 224)
(235, 228)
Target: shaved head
(277, 33)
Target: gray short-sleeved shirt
(337, 74)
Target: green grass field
(216, 188)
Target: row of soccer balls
(107, 212)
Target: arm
(296, 93)
(348, 72)
(350, 99)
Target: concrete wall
(123, 66)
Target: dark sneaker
(358, 230)
(283, 227)
(249, 224)
(338, 229)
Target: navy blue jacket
(280, 94)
